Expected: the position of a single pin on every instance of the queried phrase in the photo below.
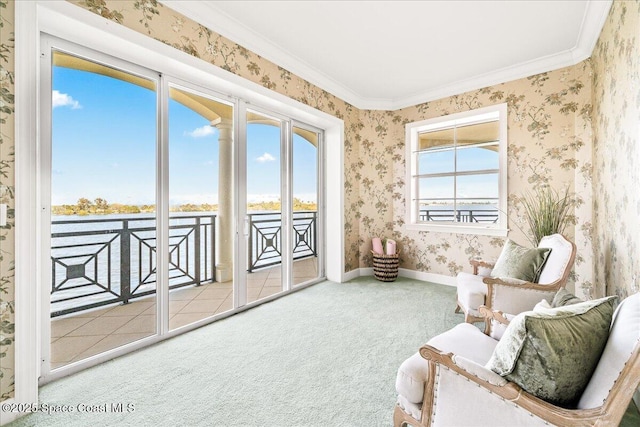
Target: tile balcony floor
(84, 334)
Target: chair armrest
(490, 315)
(478, 263)
(511, 296)
(495, 321)
(479, 371)
(515, 296)
(509, 281)
(469, 369)
(447, 368)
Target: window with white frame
(457, 172)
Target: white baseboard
(367, 271)
(440, 279)
(351, 275)
(7, 416)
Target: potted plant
(547, 212)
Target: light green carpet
(324, 356)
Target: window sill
(459, 229)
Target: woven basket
(385, 267)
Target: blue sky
(104, 133)
(471, 186)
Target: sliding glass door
(201, 219)
(166, 205)
(305, 149)
(264, 164)
(282, 209)
(104, 132)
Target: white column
(224, 244)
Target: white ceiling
(392, 54)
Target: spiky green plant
(547, 212)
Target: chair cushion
(472, 292)
(552, 352)
(411, 408)
(519, 262)
(558, 260)
(464, 340)
(623, 339)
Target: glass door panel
(103, 223)
(201, 192)
(305, 205)
(264, 208)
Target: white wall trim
(353, 274)
(334, 202)
(439, 279)
(65, 20)
(230, 28)
(5, 416)
(594, 20)
(213, 18)
(27, 316)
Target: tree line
(100, 206)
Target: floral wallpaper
(7, 236)
(550, 142)
(616, 94)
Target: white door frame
(65, 20)
(49, 43)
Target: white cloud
(266, 157)
(201, 132)
(64, 100)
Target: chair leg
(457, 308)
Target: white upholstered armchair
(447, 384)
(513, 295)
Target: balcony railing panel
(265, 241)
(460, 215)
(95, 262)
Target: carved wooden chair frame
(490, 282)
(609, 413)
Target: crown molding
(594, 19)
(207, 14)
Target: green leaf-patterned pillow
(564, 297)
(519, 262)
(552, 353)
